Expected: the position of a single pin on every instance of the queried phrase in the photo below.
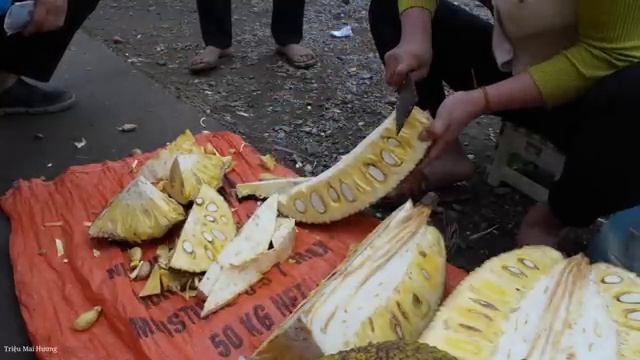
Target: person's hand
(48, 15)
(455, 113)
(413, 54)
(407, 58)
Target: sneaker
(25, 98)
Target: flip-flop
(206, 65)
(298, 64)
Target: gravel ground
(306, 118)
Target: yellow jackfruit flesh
(387, 289)
(533, 304)
(140, 212)
(209, 227)
(189, 172)
(370, 171)
(158, 168)
(266, 188)
(392, 350)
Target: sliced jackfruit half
(264, 189)
(387, 289)
(370, 171)
(223, 283)
(140, 212)
(158, 167)
(208, 229)
(533, 304)
(392, 350)
(189, 172)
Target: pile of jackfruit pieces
(384, 301)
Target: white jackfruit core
(347, 304)
(572, 325)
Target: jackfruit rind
(470, 322)
(140, 212)
(392, 350)
(264, 189)
(370, 171)
(224, 283)
(254, 236)
(208, 229)
(621, 291)
(158, 167)
(189, 172)
(387, 289)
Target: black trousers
(215, 22)
(597, 132)
(38, 56)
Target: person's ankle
(540, 227)
(6, 80)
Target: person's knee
(384, 24)
(617, 91)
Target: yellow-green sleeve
(609, 40)
(425, 4)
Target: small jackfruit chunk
(532, 304)
(140, 212)
(387, 289)
(206, 232)
(264, 189)
(189, 172)
(392, 350)
(153, 286)
(362, 177)
(158, 168)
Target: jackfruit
(532, 304)
(140, 212)
(189, 172)
(370, 171)
(158, 167)
(223, 283)
(387, 289)
(264, 189)
(206, 232)
(392, 350)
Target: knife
(407, 99)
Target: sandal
(208, 59)
(297, 56)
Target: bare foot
(540, 227)
(298, 56)
(208, 59)
(450, 168)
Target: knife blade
(407, 99)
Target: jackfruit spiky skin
(370, 171)
(621, 291)
(208, 229)
(392, 350)
(189, 172)
(264, 189)
(140, 212)
(469, 323)
(387, 289)
(158, 168)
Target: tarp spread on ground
(54, 284)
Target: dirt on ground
(306, 118)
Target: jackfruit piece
(387, 289)
(470, 322)
(158, 167)
(189, 172)
(264, 189)
(153, 286)
(223, 283)
(621, 292)
(206, 232)
(370, 171)
(268, 161)
(140, 212)
(392, 350)
(254, 236)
